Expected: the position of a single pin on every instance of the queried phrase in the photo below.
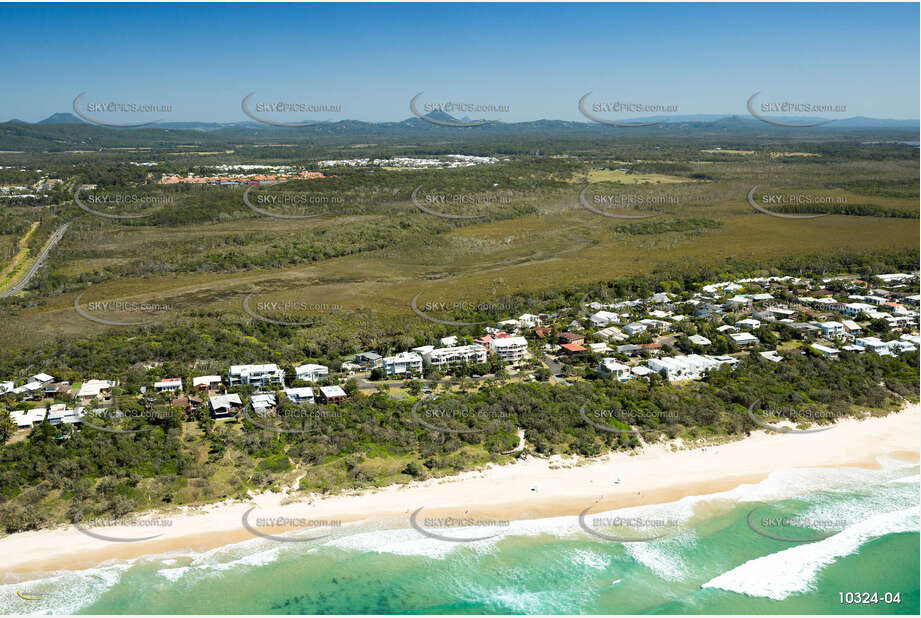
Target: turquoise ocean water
(860, 533)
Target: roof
(573, 347)
(332, 391)
(224, 401)
(92, 388)
(205, 380)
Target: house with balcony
(402, 363)
(255, 375)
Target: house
(568, 337)
(6, 387)
(311, 373)
(42, 378)
(660, 298)
(448, 342)
(332, 394)
(223, 406)
(781, 312)
(832, 330)
(690, 367)
(509, 324)
(641, 371)
(859, 349)
(303, 394)
(874, 344)
(603, 318)
(771, 355)
(262, 403)
(207, 383)
(529, 320)
(93, 389)
(404, 362)
(855, 309)
(726, 328)
(655, 326)
(901, 347)
(611, 367)
(825, 351)
(186, 403)
(56, 389)
(59, 414)
(699, 340)
(629, 349)
(255, 375)
(542, 333)
(28, 418)
(748, 324)
(368, 360)
(470, 354)
(743, 339)
(572, 348)
(598, 348)
(509, 349)
(611, 333)
(634, 328)
(168, 385)
(851, 327)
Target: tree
(7, 426)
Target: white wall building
(255, 375)
(404, 362)
(509, 349)
(471, 354)
(311, 373)
(611, 367)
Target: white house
(404, 362)
(509, 349)
(699, 340)
(447, 342)
(772, 356)
(603, 318)
(690, 367)
(743, 339)
(311, 373)
(223, 405)
(168, 385)
(530, 320)
(634, 328)
(825, 351)
(263, 402)
(209, 383)
(748, 324)
(42, 378)
(874, 344)
(255, 375)
(831, 329)
(92, 389)
(855, 309)
(611, 367)
(471, 354)
(304, 394)
(611, 333)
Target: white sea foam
(61, 593)
(777, 576)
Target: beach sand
(529, 489)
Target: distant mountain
(61, 118)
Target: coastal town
(670, 336)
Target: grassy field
(389, 251)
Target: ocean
(803, 541)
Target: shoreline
(564, 487)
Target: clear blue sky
(538, 59)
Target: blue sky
(538, 59)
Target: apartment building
(509, 349)
(471, 354)
(404, 362)
(255, 375)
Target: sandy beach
(529, 489)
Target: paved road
(58, 235)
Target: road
(58, 235)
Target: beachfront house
(255, 375)
(311, 373)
